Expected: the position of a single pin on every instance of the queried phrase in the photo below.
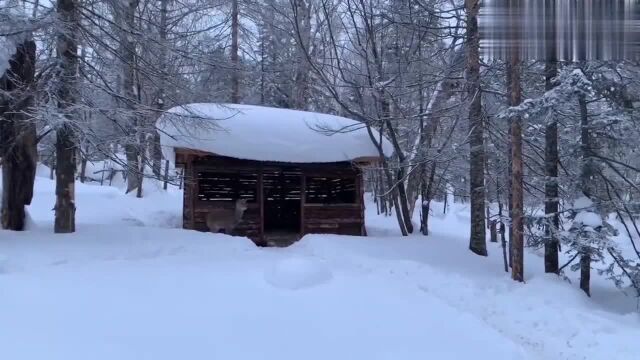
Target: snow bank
(265, 134)
(116, 291)
(97, 204)
(297, 273)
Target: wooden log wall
(315, 216)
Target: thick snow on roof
(265, 134)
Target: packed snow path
(122, 287)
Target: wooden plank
(186, 208)
(330, 206)
(194, 192)
(360, 187)
(261, 204)
(303, 196)
(331, 218)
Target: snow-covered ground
(129, 284)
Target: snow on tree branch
(570, 85)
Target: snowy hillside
(131, 285)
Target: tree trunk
(18, 137)
(133, 166)
(510, 196)
(426, 199)
(551, 160)
(585, 180)
(503, 241)
(301, 78)
(235, 60)
(517, 255)
(140, 176)
(83, 166)
(404, 201)
(383, 200)
(65, 208)
(477, 241)
(585, 273)
(156, 151)
(493, 230)
(446, 199)
(515, 97)
(394, 197)
(166, 175)
(156, 154)
(67, 49)
(400, 200)
(128, 58)
(424, 211)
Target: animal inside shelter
(269, 174)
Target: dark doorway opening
(282, 202)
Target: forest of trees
(544, 152)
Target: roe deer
(227, 219)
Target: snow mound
(266, 134)
(298, 273)
(4, 264)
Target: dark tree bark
(301, 78)
(166, 175)
(493, 230)
(510, 196)
(551, 160)
(127, 52)
(517, 251)
(65, 208)
(585, 180)
(155, 149)
(156, 154)
(427, 195)
(503, 241)
(67, 48)
(83, 161)
(515, 97)
(235, 60)
(142, 162)
(551, 206)
(477, 241)
(585, 273)
(18, 144)
(83, 169)
(400, 198)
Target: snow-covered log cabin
(300, 172)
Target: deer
(226, 219)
